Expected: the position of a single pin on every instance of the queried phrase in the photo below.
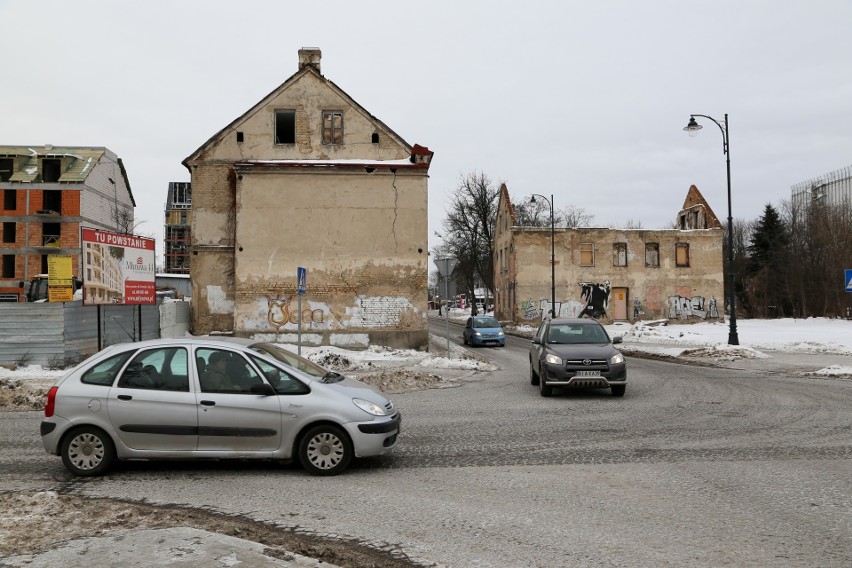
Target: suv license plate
(588, 373)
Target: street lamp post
(552, 255)
(692, 128)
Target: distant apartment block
(48, 194)
(177, 228)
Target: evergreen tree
(768, 266)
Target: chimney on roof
(310, 57)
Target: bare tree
(469, 227)
(573, 217)
(536, 213)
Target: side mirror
(264, 389)
(536, 341)
(616, 340)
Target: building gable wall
(262, 210)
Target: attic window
(332, 127)
(375, 138)
(239, 136)
(6, 166)
(51, 169)
(285, 127)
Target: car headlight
(476, 333)
(553, 359)
(617, 359)
(369, 407)
(499, 334)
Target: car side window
(225, 372)
(281, 381)
(104, 373)
(157, 369)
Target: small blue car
(483, 330)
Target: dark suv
(576, 353)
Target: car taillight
(51, 402)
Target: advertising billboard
(118, 269)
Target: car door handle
(125, 397)
(208, 403)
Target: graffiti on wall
(529, 311)
(595, 298)
(683, 308)
(638, 310)
(279, 313)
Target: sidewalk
(180, 546)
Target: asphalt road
(695, 466)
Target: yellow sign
(60, 285)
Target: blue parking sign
(849, 279)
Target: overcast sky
(582, 100)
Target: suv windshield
(577, 333)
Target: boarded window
(587, 254)
(619, 254)
(652, 254)
(285, 127)
(332, 127)
(682, 254)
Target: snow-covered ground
(758, 338)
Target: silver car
(211, 398)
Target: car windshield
(298, 362)
(485, 322)
(577, 333)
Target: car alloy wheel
(325, 450)
(87, 451)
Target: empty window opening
(375, 138)
(619, 254)
(239, 136)
(587, 254)
(50, 234)
(9, 232)
(682, 254)
(51, 169)
(10, 198)
(6, 167)
(652, 255)
(44, 263)
(52, 200)
(8, 266)
(332, 127)
(285, 127)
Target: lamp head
(693, 127)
